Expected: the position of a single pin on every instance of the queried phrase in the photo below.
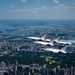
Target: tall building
(62, 72)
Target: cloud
(23, 0)
(33, 10)
(24, 10)
(54, 7)
(41, 8)
(14, 11)
(11, 6)
(44, 7)
(69, 6)
(56, 1)
(61, 5)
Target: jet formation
(41, 40)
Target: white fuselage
(36, 38)
(54, 50)
(43, 43)
(63, 41)
(47, 40)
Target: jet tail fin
(44, 36)
(52, 42)
(64, 48)
(57, 39)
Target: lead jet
(37, 38)
(57, 50)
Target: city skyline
(37, 9)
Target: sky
(37, 9)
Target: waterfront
(38, 27)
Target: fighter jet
(57, 50)
(45, 42)
(37, 38)
(66, 42)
